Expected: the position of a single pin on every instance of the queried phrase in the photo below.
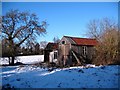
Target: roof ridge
(52, 42)
(79, 37)
(69, 38)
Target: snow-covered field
(25, 59)
(29, 76)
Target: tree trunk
(9, 61)
(13, 58)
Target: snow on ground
(25, 59)
(74, 77)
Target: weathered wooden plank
(76, 57)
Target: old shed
(71, 51)
(75, 50)
(51, 52)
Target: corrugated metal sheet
(82, 41)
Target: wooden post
(76, 58)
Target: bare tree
(20, 27)
(56, 40)
(106, 32)
(37, 49)
(43, 44)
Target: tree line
(32, 49)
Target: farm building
(71, 50)
(51, 52)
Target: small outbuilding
(71, 51)
(51, 52)
(75, 50)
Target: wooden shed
(51, 52)
(70, 51)
(75, 50)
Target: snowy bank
(74, 77)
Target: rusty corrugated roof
(83, 41)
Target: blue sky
(65, 18)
